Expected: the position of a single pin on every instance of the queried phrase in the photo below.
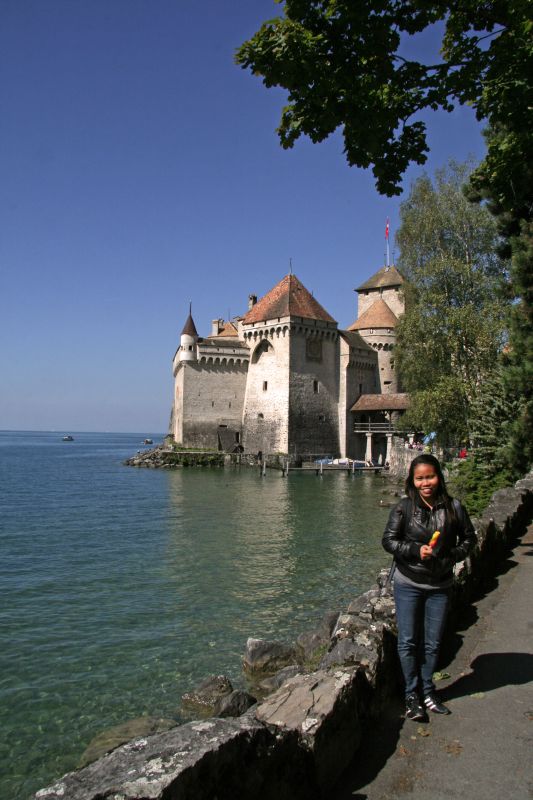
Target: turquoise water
(122, 587)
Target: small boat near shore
(148, 441)
(68, 438)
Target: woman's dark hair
(441, 495)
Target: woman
(423, 575)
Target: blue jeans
(421, 617)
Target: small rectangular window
(321, 417)
(265, 385)
(315, 387)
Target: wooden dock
(319, 469)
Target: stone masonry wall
(358, 370)
(266, 405)
(296, 742)
(392, 296)
(401, 457)
(211, 395)
(313, 391)
(383, 341)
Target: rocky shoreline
(300, 724)
(162, 457)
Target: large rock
(218, 758)
(322, 709)
(349, 625)
(273, 682)
(234, 704)
(311, 645)
(202, 700)
(113, 737)
(347, 652)
(262, 657)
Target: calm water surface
(122, 587)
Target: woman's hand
(426, 552)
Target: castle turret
(380, 302)
(189, 340)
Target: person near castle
(427, 533)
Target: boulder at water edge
(110, 738)
(202, 700)
(262, 657)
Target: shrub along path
(484, 749)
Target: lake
(122, 587)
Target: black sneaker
(414, 709)
(432, 703)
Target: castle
(285, 379)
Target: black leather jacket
(410, 527)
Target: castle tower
(292, 388)
(189, 340)
(386, 285)
(380, 303)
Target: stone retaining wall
(295, 743)
(401, 457)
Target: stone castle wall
(358, 371)
(266, 404)
(393, 296)
(383, 341)
(313, 390)
(211, 395)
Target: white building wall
(314, 388)
(358, 375)
(208, 395)
(393, 296)
(383, 340)
(266, 403)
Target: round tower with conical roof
(380, 303)
(189, 340)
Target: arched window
(261, 349)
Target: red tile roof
(289, 298)
(386, 276)
(381, 402)
(229, 329)
(355, 339)
(379, 315)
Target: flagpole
(387, 240)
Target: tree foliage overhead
(342, 64)
(453, 329)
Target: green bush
(471, 483)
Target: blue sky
(139, 170)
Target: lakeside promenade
(484, 749)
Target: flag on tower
(387, 229)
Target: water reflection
(252, 556)
(122, 588)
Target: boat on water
(68, 438)
(148, 441)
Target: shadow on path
(379, 744)
(468, 616)
(491, 671)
